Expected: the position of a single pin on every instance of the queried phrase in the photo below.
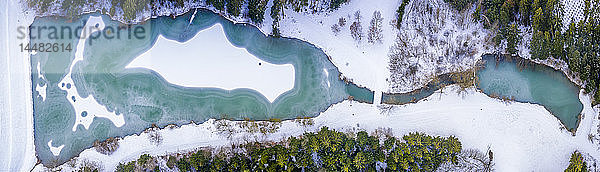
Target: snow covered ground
(523, 137)
(216, 63)
(436, 39)
(572, 11)
(17, 152)
(363, 63)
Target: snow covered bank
(17, 152)
(362, 63)
(434, 39)
(522, 136)
(210, 60)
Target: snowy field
(16, 132)
(216, 63)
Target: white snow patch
(39, 72)
(216, 63)
(55, 150)
(41, 89)
(572, 12)
(327, 75)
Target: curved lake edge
(176, 126)
(190, 9)
(526, 63)
(446, 79)
(341, 76)
(180, 123)
(550, 61)
(564, 68)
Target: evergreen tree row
(581, 48)
(326, 149)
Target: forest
(577, 44)
(325, 149)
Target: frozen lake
(91, 93)
(526, 81)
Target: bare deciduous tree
(356, 28)
(375, 31)
(336, 29)
(342, 21)
(154, 136)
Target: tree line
(577, 45)
(326, 149)
(255, 9)
(581, 48)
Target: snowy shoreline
(289, 28)
(16, 104)
(543, 63)
(501, 129)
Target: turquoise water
(416, 95)
(529, 82)
(144, 98)
(518, 79)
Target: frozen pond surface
(516, 79)
(209, 60)
(92, 95)
(525, 81)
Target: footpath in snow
(17, 152)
